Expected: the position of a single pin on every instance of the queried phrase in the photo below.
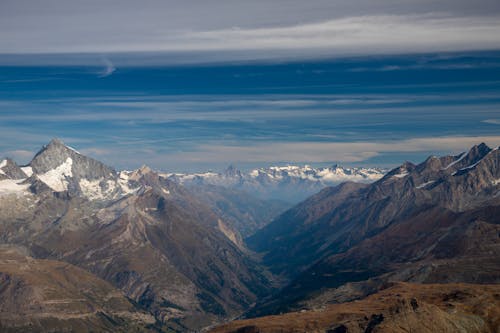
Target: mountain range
(84, 247)
(167, 252)
(289, 183)
(437, 222)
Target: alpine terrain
(417, 250)
(139, 237)
(86, 248)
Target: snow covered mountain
(59, 168)
(289, 183)
(151, 238)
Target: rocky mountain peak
(136, 175)
(481, 148)
(62, 168)
(51, 156)
(232, 171)
(144, 169)
(9, 169)
(56, 142)
(477, 152)
(58, 155)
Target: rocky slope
(52, 296)
(436, 222)
(402, 307)
(166, 250)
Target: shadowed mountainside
(436, 222)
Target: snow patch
(425, 184)
(401, 175)
(56, 178)
(27, 170)
(496, 181)
(91, 188)
(96, 189)
(461, 157)
(471, 166)
(254, 173)
(73, 149)
(13, 186)
(123, 182)
(2, 164)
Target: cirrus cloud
(322, 152)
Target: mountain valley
(142, 251)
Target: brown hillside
(404, 307)
(52, 296)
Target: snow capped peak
(289, 182)
(9, 169)
(137, 174)
(145, 169)
(328, 175)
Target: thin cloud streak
(492, 121)
(321, 152)
(360, 35)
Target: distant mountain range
(84, 247)
(285, 183)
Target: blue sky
(317, 85)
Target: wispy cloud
(390, 68)
(492, 121)
(19, 155)
(93, 151)
(220, 153)
(320, 152)
(108, 69)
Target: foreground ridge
(403, 307)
